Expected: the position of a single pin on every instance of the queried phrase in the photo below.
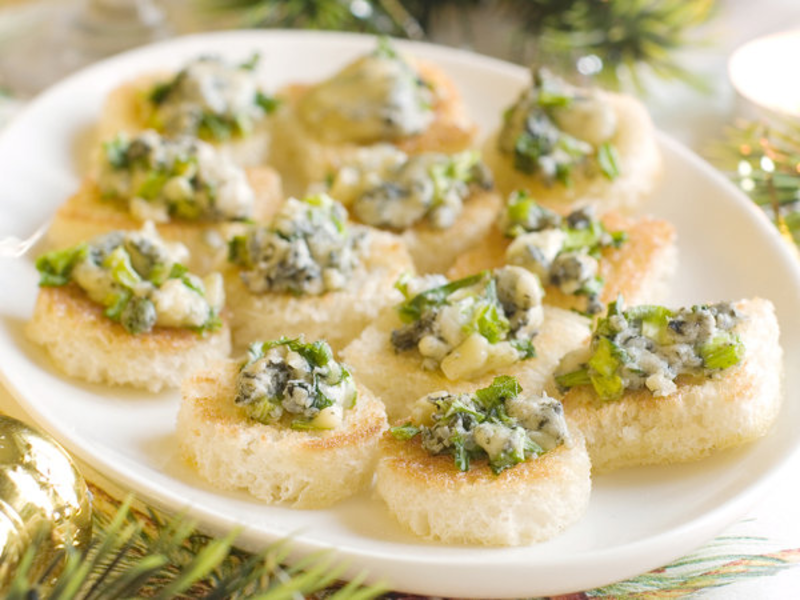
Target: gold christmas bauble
(43, 498)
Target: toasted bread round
(639, 270)
(398, 378)
(86, 344)
(86, 215)
(336, 316)
(303, 158)
(528, 503)
(702, 416)
(127, 110)
(275, 463)
(639, 158)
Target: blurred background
(620, 42)
(654, 48)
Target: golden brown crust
(635, 270)
(70, 302)
(701, 417)
(125, 108)
(451, 130)
(86, 215)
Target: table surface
(756, 557)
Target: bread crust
(86, 344)
(701, 417)
(86, 215)
(399, 380)
(639, 270)
(304, 159)
(127, 110)
(640, 165)
(528, 503)
(274, 462)
(336, 316)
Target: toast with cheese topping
(304, 469)
(337, 316)
(639, 167)
(127, 110)
(528, 503)
(733, 407)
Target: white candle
(765, 72)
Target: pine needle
(135, 554)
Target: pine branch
(624, 37)
(387, 17)
(142, 554)
(628, 36)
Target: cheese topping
(139, 279)
(554, 128)
(563, 252)
(496, 423)
(307, 249)
(378, 97)
(297, 380)
(384, 187)
(473, 325)
(650, 346)
(163, 178)
(210, 99)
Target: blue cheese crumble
(290, 381)
(139, 279)
(161, 178)
(555, 128)
(497, 423)
(470, 326)
(562, 251)
(384, 187)
(307, 249)
(378, 97)
(651, 346)
(211, 99)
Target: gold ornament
(43, 498)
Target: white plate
(638, 519)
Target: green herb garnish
(55, 267)
(630, 346)
(457, 418)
